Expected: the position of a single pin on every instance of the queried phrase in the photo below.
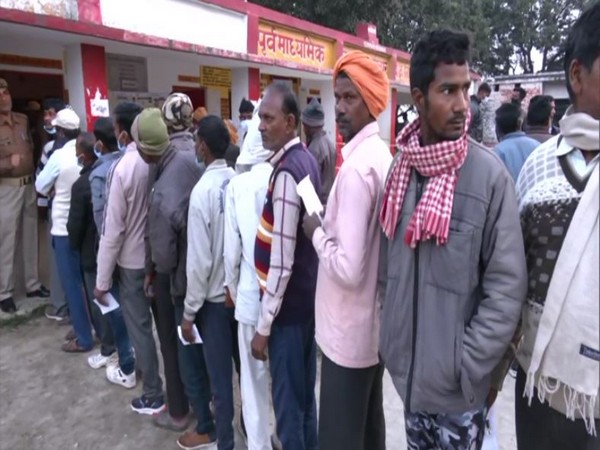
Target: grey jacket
(177, 174)
(446, 325)
(98, 177)
(323, 149)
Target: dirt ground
(50, 400)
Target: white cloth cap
(66, 119)
(252, 151)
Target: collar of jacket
(217, 164)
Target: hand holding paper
(197, 338)
(309, 196)
(110, 303)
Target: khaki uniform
(18, 210)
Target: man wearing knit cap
(322, 148)
(176, 175)
(347, 243)
(121, 248)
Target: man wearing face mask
(59, 175)
(83, 238)
(121, 249)
(57, 310)
(17, 202)
(246, 110)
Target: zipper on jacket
(415, 314)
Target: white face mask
(50, 130)
(243, 129)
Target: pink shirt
(347, 308)
(125, 215)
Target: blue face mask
(122, 147)
(50, 130)
(97, 152)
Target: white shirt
(206, 222)
(244, 202)
(59, 173)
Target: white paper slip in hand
(307, 193)
(111, 304)
(197, 338)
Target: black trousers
(164, 316)
(351, 408)
(539, 427)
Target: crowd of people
(440, 264)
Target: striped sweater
(299, 296)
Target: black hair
(105, 133)
(540, 110)
(53, 103)
(125, 113)
(484, 87)
(71, 134)
(583, 42)
(213, 131)
(435, 48)
(289, 103)
(522, 92)
(87, 141)
(508, 118)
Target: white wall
(239, 90)
(34, 49)
(180, 20)
(556, 89)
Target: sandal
(74, 347)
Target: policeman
(18, 210)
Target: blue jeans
(111, 327)
(293, 356)
(193, 372)
(69, 271)
(218, 330)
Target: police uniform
(18, 210)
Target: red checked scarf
(438, 162)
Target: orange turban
(233, 134)
(369, 78)
(199, 113)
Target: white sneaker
(113, 360)
(116, 376)
(98, 360)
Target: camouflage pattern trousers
(445, 431)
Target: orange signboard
(382, 59)
(295, 46)
(403, 72)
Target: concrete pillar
(239, 90)
(74, 82)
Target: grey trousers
(138, 319)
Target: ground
(50, 400)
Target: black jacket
(80, 225)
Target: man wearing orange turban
(368, 76)
(346, 306)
